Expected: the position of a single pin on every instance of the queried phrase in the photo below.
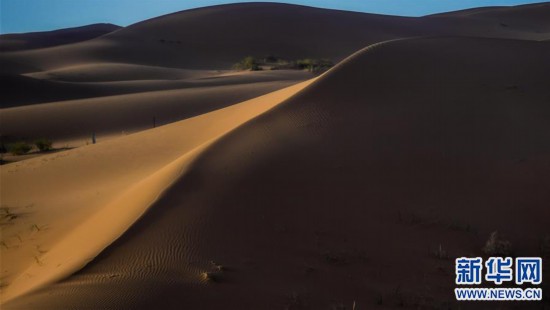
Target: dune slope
(346, 191)
(101, 80)
(49, 237)
(185, 40)
(73, 122)
(32, 40)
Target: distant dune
(186, 40)
(358, 186)
(75, 121)
(32, 40)
(22, 90)
(342, 179)
(153, 51)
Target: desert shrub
(496, 246)
(276, 63)
(305, 64)
(248, 63)
(314, 65)
(43, 145)
(20, 148)
(212, 276)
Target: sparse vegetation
(275, 63)
(216, 274)
(38, 260)
(496, 246)
(35, 227)
(20, 148)
(43, 145)
(248, 63)
(217, 266)
(211, 276)
(314, 65)
(7, 214)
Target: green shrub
(43, 145)
(314, 65)
(20, 148)
(248, 63)
(275, 63)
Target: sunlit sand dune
(50, 234)
(210, 188)
(330, 197)
(73, 122)
(218, 36)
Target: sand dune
(353, 183)
(33, 40)
(106, 72)
(25, 90)
(358, 186)
(73, 122)
(185, 41)
(531, 20)
(113, 194)
(172, 47)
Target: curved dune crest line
(83, 244)
(80, 245)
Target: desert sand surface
(32, 40)
(278, 189)
(218, 36)
(181, 50)
(112, 192)
(73, 122)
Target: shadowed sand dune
(23, 90)
(186, 40)
(360, 185)
(111, 193)
(74, 121)
(33, 40)
(164, 53)
(536, 14)
(346, 190)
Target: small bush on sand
(314, 65)
(20, 148)
(212, 276)
(43, 145)
(248, 63)
(496, 246)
